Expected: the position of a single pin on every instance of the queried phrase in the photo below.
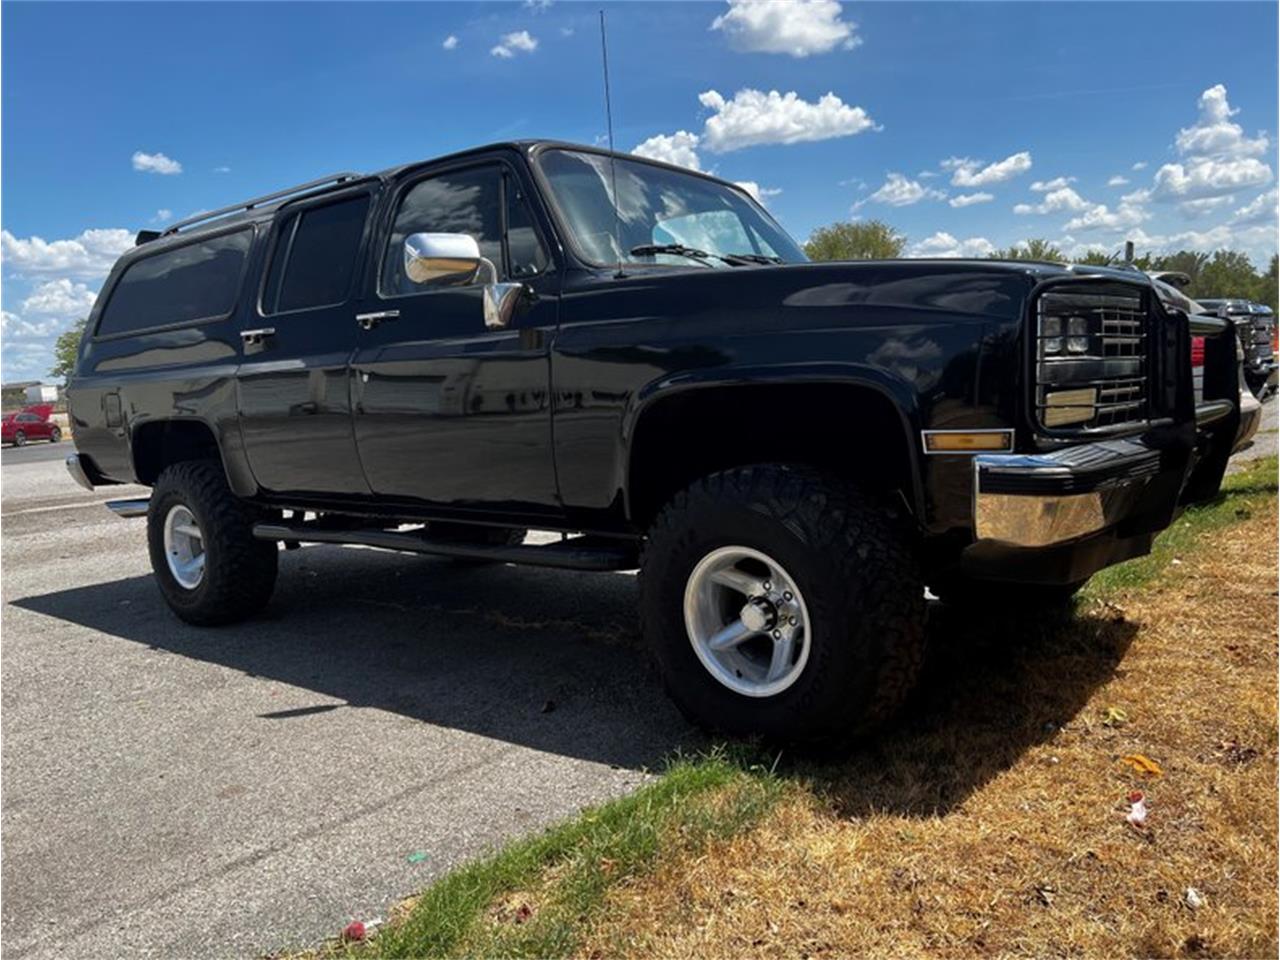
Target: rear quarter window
(197, 281)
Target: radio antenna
(613, 161)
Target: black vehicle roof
(1036, 269)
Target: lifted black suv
(442, 356)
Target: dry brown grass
(992, 824)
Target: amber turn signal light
(967, 441)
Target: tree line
(1223, 273)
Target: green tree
(1096, 258)
(66, 349)
(1190, 262)
(1228, 274)
(863, 240)
(1035, 249)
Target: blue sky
(965, 125)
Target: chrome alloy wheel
(184, 547)
(747, 621)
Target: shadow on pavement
(552, 660)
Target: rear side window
(315, 256)
(198, 281)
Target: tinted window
(525, 253)
(194, 282)
(315, 256)
(468, 201)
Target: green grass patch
(1240, 494)
(533, 898)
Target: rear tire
(860, 603)
(19, 439)
(209, 566)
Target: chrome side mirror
(453, 259)
(447, 259)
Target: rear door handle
(253, 338)
(370, 320)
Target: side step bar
(577, 554)
(129, 508)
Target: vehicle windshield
(698, 220)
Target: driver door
(447, 411)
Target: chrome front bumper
(1040, 500)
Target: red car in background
(32, 423)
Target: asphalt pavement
(173, 791)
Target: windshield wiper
(754, 257)
(693, 253)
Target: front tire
(781, 601)
(19, 439)
(55, 435)
(209, 566)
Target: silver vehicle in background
(1256, 326)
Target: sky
(967, 126)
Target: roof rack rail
(331, 180)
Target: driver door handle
(254, 338)
(368, 321)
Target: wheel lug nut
(786, 595)
(768, 585)
(777, 634)
(794, 621)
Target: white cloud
(1218, 159)
(87, 256)
(753, 117)
(967, 172)
(155, 163)
(450, 42)
(1140, 165)
(1198, 208)
(1137, 196)
(899, 191)
(1207, 177)
(969, 199)
(163, 215)
(1055, 201)
(537, 6)
(60, 298)
(512, 43)
(943, 244)
(679, 148)
(1057, 183)
(221, 169)
(1261, 210)
(1101, 217)
(1214, 134)
(758, 193)
(1118, 181)
(795, 27)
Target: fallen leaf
(1143, 764)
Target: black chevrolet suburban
(442, 356)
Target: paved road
(36, 451)
(178, 792)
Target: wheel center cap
(759, 614)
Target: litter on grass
(416, 857)
(1137, 815)
(1193, 898)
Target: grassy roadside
(990, 822)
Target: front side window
(314, 256)
(198, 281)
(482, 202)
(657, 206)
